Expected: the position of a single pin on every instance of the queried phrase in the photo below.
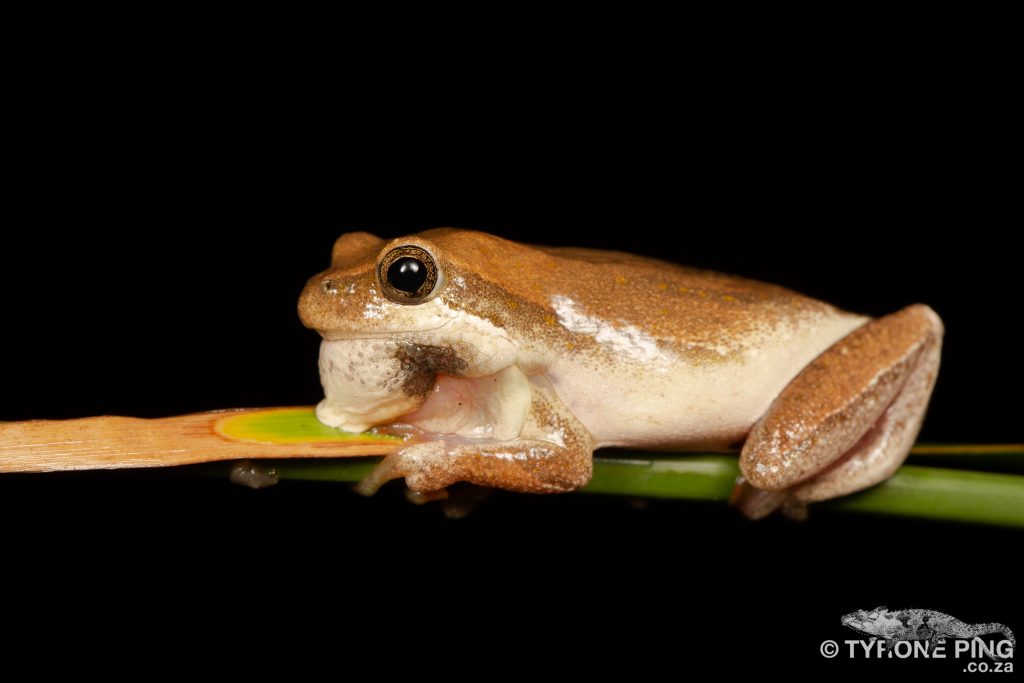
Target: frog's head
(375, 288)
(397, 314)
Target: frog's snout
(326, 300)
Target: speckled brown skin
(626, 350)
(508, 283)
(848, 420)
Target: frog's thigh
(553, 454)
(848, 420)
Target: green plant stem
(914, 491)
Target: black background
(168, 199)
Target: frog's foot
(525, 465)
(848, 420)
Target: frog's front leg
(848, 420)
(552, 454)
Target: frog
(506, 365)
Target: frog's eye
(407, 274)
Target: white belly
(709, 405)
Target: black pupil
(407, 274)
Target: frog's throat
(373, 382)
(493, 407)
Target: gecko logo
(924, 633)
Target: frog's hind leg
(848, 420)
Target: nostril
(329, 287)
